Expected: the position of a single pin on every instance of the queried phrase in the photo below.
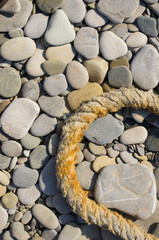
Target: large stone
(70, 231)
(144, 67)
(147, 25)
(120, 77)
(49, 6)
(39, 157)
(28, 196)
(12, 6)
(17, 119)
(123, 187)
(104, 130)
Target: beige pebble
(9, 200)
(3, 190)
(143, 158)
(147, 164)
(18, 216)
(96, 149)
(4, 180)
(101, 162)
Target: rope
(72, 134)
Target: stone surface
(88, 155)
(111, 46)
(144, 67)
(104, 130)
(101, 162)
(48, 6)
(12, 6)
(54, 67)
(16, 32)
(123, 187)
(128, 158)
(17, 49)
(3, 218)
(94, 19)
(4, 179)
(123, 61)
(59, 31)
(136, 39)
(106, 234)
(116, 11)
(61, 205)
(4, 161)
(10, 82)
(77, 75)
(45, 216)
(90, 232)
(49, 234)
(86, 42)
(9, 200)
(25, 177)
(147, 25)
(30, 90)
(28, 196)
(139, 11)
(120, 76)
(96, 149)
(53, 144)
(17, 230)
(152, 143)
(11, 148)
(30, 142)
(39, 157)
(120, 30)
(70, 231)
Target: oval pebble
(30, 90)
(4, 180)
(11, 148)
(27, 216)
(88, 155)
(3, 190)
(39, 157)
(4, 161)
(120, 77)
(9, 200)
(61, 205)
(28, 196)
(45, 216)
(30, 142)
(66, 218)
(18, 49)
(128, 158)
(70, 231)
(101, 162)
(3, 218)
(53, 144)
(17, 230)
(54, 67)
(96, 149)
(94, 19)
(136, 39)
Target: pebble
(86, 42)
(47, 178)
(4, 180)
(66, 218)
(43, 125)
(136, 39)
(18, 49)
(54, 67)
(10, 82)
(36, 26)
(77, 75)
(120, 76)
(59, 30)
(11, 148)
(91, 231)
(3, 218)
(134, 135)
(28, 196)
(123, 61)
(30, 90)
(48, 6)
(120, 30)
(49, 234)
(139, 11)
(70, 231)
(18, 216)
(17, 230)
(4, 161)
(112, 153)
(97, 69)
(25, 177)
(30, 142)
(16, 32)
(88, 155)
(144, 67)
(117, 11)
(18, 117)
(27, 216)
(106, 234)
(61, 205)
(128, 158)
(139, 114)
(101, 162)
(54, 106)
(104, 130)
(76, 97)
(152, 143)
(119, 147)
(55, 85)
(112, 46)
(45, 216)
(130, 194)
(96, 149)
(85, 175)
(94, 19)
(3, 190)
(78, 13)
(11, 7)
(39, 157)
(9, 200)
(53, 144)
(80, 157)
(147, 25)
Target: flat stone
(123, 61)
(27, 216)
(28, 196)
(54, 67)
(17, 49)
(128, 158)
(65, 52)
(9, 200)
(101, 162)
(55, 85)
(15, 121)
(45, 216)
(139, 114)
(48, 6)
(120, 76)
(16, 32)
(80, 157)
(30, 90)
(119, 147)
(85, 175)
(76, 97)
(70, 231)
(124, 188)
(88, 155)
(136, 39)
(120, 30)
(139, 11)
(53, 144)
(36, 26)
(4, 161)
(4, 180)
(10, 82)
(66, 218)
(25, 177)
(49, 234)
(12, 6)
(30, 142)
(153, 119)
(39, 157)
(76, 75)
(59, 30)
(86, 42)
(97, 69)
(144, 67)
(104, 130)
(112, 153)
(3, 218)
(112, 46)
(78, 13)
(17, 230)
(47, 179)
(96, 149)
(94, 19)
(147, 25)
(60, 204)
(116, 11)
(17, 20)
(91, 231)
(134, 135)
(11, 148)
(152, 143)
(43, 125)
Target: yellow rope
(72, 134)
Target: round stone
(16, 32)
(152, 143)
(49, 234)
(39, 157)
(30, 90)
(55, 85)
(27, 216)
(94, 19)
(28, 196)
(17, 230)
(53, 144)
(88, 155)
(54, 67)
(45, 216)
(120, 77)
(11, 148)
(49, 6)
(25, 177)
(3, 218)
(4, 161)
(96, 149)
(30, 142)
(10, 82)
(17, 49)
(77, 75)
(61, 205)
(147, 25)
(128, 158)
(66, 218)
(70, 229)
(136, 39)
(112, 46)
(80, 157)
(9, 200)
(4, 180)
(3, 190)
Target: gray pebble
(147, 25)
(112, 153)
(16, 32)
(88, 155)
(27, 216)
(11, 148)
(49, 234)
(61, 205)
(70, 231)
(30, 90)
(28, 196)
(17, 230)
(39, 157)
(119, 147)
(128, 158)
(120, 77)
(66, 218)
(29, 141)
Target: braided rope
(72, 134)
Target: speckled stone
(120, 76)
(147, 25)
(39, 157)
